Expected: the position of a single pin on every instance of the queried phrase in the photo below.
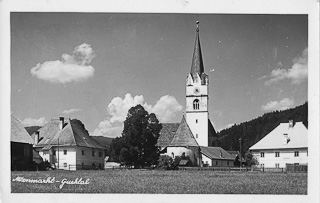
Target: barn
(21, 146)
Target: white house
(286, 144)
(66, 144)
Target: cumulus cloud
(297, 73)
(34, 122)
(71, 68)
(165, 109)
(278, 105)
(69, 111)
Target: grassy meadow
(164, 182)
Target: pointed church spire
(197, 62)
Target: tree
(137, 146)
(250, 159)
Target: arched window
(196, 104)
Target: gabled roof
(197, 62)
(216, 153)
(298, 137)
(19, 133)
(183, 137)
(234, 154)
(211, 130)
(166, 134)
(72, 134)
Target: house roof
(216, 153)
(183, 136)
(234, 154)
(19, 133)
(166, 133)
(72, 134)
(298, 138)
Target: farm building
(216, 156)
(195, 132)
(286, 144)
(236, 155)
(21, 146)
(66, 144)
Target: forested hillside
(252, 131)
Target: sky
(95, 66)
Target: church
(194, 136)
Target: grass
(165, 182)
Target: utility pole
(240, 154)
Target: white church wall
(178, 151)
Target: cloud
(34, 122)
(71, 68)
(297, 73)
(165, 109)
(69, 111)
(278, 105)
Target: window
(82, 152)
(228, 163)
(296, 153)
(196, 120)
(262, 154)
(99, 165)
(54, 152)
(92, 153)
(277, 165)
(64, 152)
(277, 154)
(196, 104)
(100, 154)
(65, 165)
(216, 162)
(196, 135)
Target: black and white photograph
(196, 101)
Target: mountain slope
(252, 131)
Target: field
(161, 182)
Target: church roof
(183, 136)
(297, 137)
(216, 153)
(19, 133)
(211, 130)
(169, 129)
(197, 62)
(72, 134)
(166, 133)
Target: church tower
(197, 115)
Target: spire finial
(197, 22)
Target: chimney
(36, 137)
(291, 123)
(61, 124)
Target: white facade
(216, 162)
(279, 158)
(71, 158)
(197, 109)
(286, 144)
